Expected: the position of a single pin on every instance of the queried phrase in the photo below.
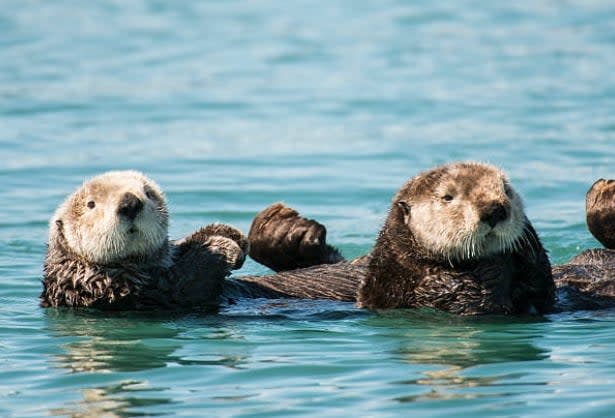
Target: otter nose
(494, 214)
(130, 206)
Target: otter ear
(405, 210)
(59, 224)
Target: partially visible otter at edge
(456, 239)
(468, 273)
(588, 280)
(108, 248)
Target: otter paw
(282, 240)
(228, 248)
(228, 232)
(600, 211)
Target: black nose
(130, 206)
(494, 214)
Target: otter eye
(150, 194)
(447, 197)
(91, 204)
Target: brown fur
(282, 240)
(406, 272)
(600, 211)
(401, 272)
(338, 281)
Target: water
(329, 106)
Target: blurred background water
(329, 106)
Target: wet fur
(283, 240)
(98, 258)
(600, 211)
(434, 253)
(436, 249)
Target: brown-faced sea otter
(456, 239)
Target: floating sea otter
(456, 239)
(588, 280)
(108, 248)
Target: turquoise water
(329, 106)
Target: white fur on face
(95, 231)
(448, 223)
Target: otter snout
(494, 213)
(130, 206)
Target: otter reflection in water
(447, 348)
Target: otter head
(461, 211)
(115, 216)
(600, 211)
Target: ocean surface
(329, 106)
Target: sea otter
(588, 280)
(108, 248)
(456, 239)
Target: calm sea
(328, 106)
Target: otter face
(114, 216)
(463, 211)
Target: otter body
(456, 239)
(108, 248)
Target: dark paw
(223, 240)
(282, 240)
(227, 231)
(600, 211)
(233, 255)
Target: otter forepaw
(227, 248)
(227, 231)
(282, 240)
(224, 240)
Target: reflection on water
(101, 354)
(456, 345)
(111, 342)
(118, 400)
(101, 343)
(123, 342)
(470, 347)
